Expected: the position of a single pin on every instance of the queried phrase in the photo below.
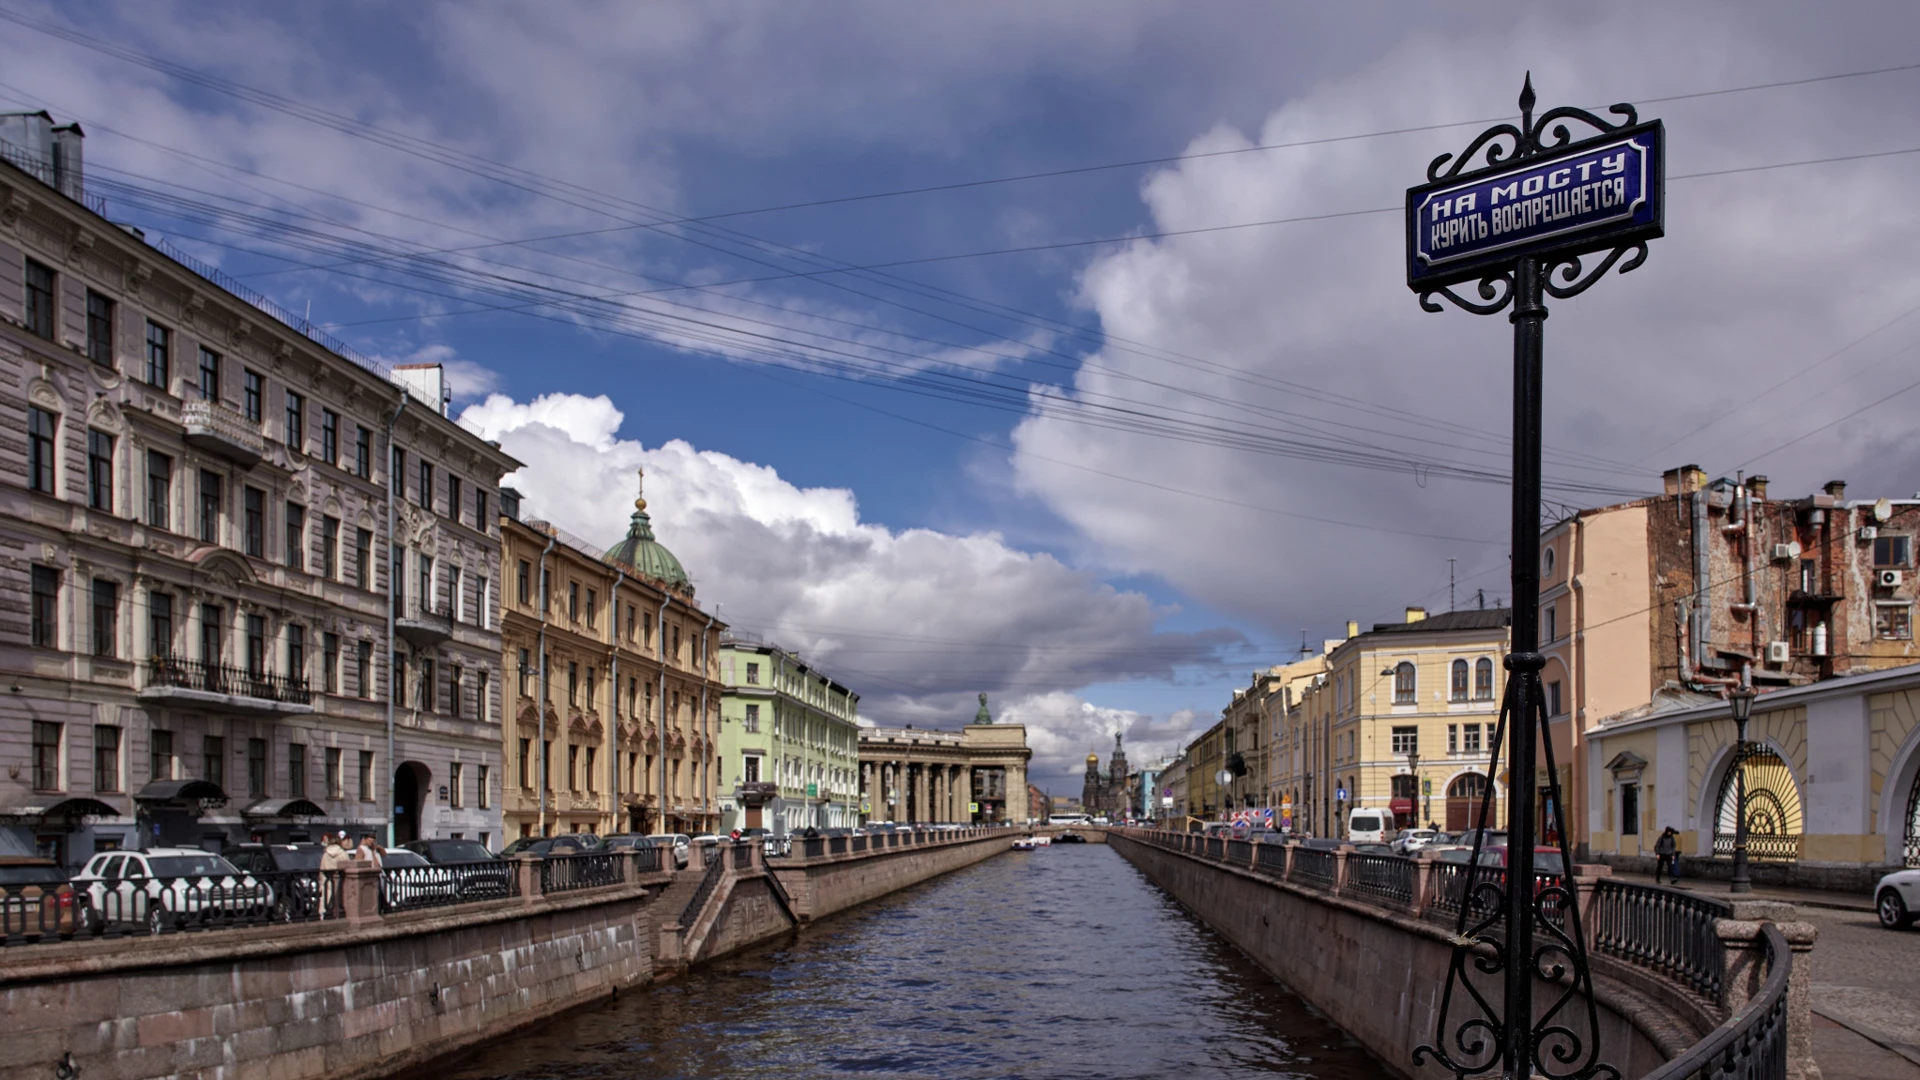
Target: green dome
(648, 557)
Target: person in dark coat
(1666, 856)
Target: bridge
(389, 972)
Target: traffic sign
(1340, 794)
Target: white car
(679, 843)
(1897, 898)
(407, 880)
(1412, 840)
(165, 888)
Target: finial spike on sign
(1526, 103)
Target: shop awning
(270, 808)
(63, 808)
(1401, 806)
(181, 791)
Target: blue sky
(1091, 576)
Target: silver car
(166, 888)
(1897, 898)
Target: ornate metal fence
(1389, 877)
(1663, 930)
(1314, 867)
(708, 881)
(566, 873)
(1752, 1044)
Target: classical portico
(930, 776)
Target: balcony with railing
(422, 624)
(213, 427)
(224, 688)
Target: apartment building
(196, 499)
(789, 742)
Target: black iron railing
(1314, 866)
(1668, 932)
(1270, 859)
(227, 679)
(1761, 847)
(166, 905)
(1240, 852)
(708, 881)
(836, 845)
(1389, 877)
(859, 843)
(566, 873)
(743, 855)
(1752, 1044)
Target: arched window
(1459, 682)
(1403, 685)
(1483, 679)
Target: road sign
(973, 808)
(1340, 794)
(1597, 193)
(1426, 786)
(1166, 800)
(1166, 793)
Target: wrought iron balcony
(758, 793)
(224, 688)
(215, 428)
(422, 624)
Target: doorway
(411, 782)
(1463, 801)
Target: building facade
(1402, 719)
(197, 500)
(1113, 794)
(619, 650)
(789, 742)
(977, 775)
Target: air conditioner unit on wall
(1869, 532)
(1890, 578)
(1786, 552)
(1777, 652)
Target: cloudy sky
(1098, 442)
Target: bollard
(1422, 883)
(360, 893)
(1340, 868)
(527, 870)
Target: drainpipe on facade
(541, 705)
(660, 652)
(706, 776)
(392, 422)
(613, 686)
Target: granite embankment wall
(1376, 974)
(371, 994)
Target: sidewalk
(1720, 890)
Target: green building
(789, 743)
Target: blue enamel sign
(1599, 193)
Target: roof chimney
(1353, 629)
(1837, 489)
(1757, 487)
(1684, 480)
(1415, 614)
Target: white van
(1369, 825)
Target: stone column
(1746, 973)
(360, 893)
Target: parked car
(440, 852)
(1412, 840)
(543, 846)
(165, 888)
(36, 898)
(408, 880)
(1494, 838)
(293, 868)
(1896, 898)
(480, 873)
(679, 842)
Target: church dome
(648, 557)
(1093, 759)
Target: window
(592, 607)
(251, 388)
(484, 792)
(1892, 550)
(1458, 684)
(106, 618)
(593, 693)
(159, 624)
(454, 785)
(1552, 622)
(213, 759)
(159, 349)
(330, 436)
(573, 768)
(526, 673)
(454, 497)
(297, 653)
(296, 422)
(482, 705)
(573, 683)
(751, 725)
(424, 693)
(573, 601)
(592, 768)
(525, 580)
(210, 622)
(363, 558)
(546, 590)
(256, 767)
(753, 674)
(397, 674)
(1629, 809)
(363, 453)
(1406, 740)
(1553, 697)
(1483, 679)
(296, 536)
(254, 520)
(256, 645)
(329, 662)
(100, 470)
(46, 756)
(99, 329)
(209, 374)
(366, 776)
(46, 605)
(1471, 743)
(1893, 622)
(160, 755)
(297, 770)
(425, 493)
(1453, 738)
(209, 507)
(397, 471)
(329, 547)
(41, 425)
(39, 300)
(525, 773)
(454, 679)
(480, 510)
(159, 489)
(751, 765)
(425, 565)
(106, 758)
(336, 783)
(1404, 689)
(363, 669)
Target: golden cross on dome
(640, 489)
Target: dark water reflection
(1062, 964)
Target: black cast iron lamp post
(1742, 699)
(1413, 797)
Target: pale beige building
(972, 776)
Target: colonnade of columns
(908, 792)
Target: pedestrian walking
(1666, 856)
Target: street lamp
(1413, 767)
(1741, 698)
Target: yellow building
(630, 669)
(1832, 782)
(1402, 719)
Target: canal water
(1063, 964)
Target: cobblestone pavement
(1868, 979)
